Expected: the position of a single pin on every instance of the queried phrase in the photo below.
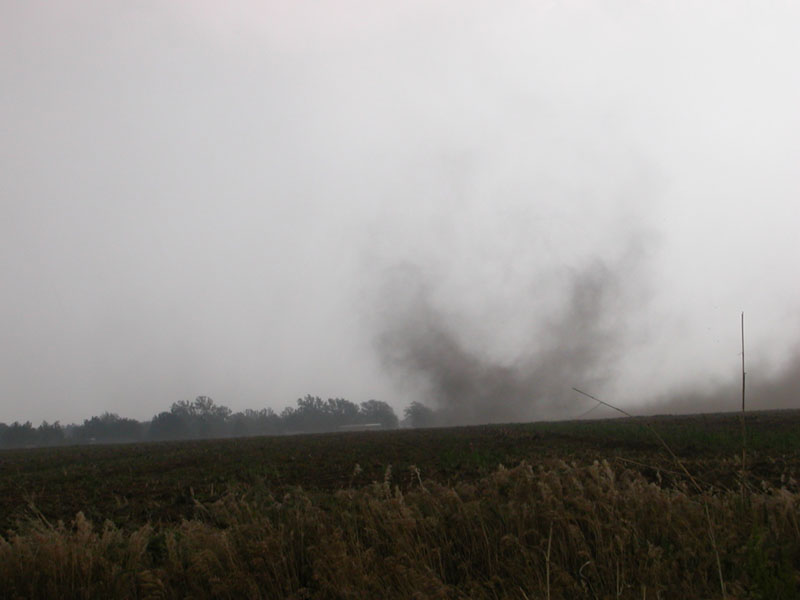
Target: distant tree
(309, 416)
(70, 432)
(110, 427)
(266, 420)
(50, 435)
(341, 412)
(419, 415)
(200, 418)
(168, 426)
(287, 419)
(312, 414)
(254, 422)
(213, 419)
(19, 435)
(375, 411)
(240, 425)
(128, 430)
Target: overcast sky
(203, 197)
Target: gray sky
(209, 198)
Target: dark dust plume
(581, 341)
(767, 389)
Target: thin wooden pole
(744, 432)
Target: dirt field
(592, 509)
(159, 482)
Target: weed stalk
(686, 472)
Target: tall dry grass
(553, 530)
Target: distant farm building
(361, 427)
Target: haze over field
(470, 204)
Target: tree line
(202, 418)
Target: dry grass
(553, 530)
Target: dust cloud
(580, 339)
(766, 388)
(585, 340)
